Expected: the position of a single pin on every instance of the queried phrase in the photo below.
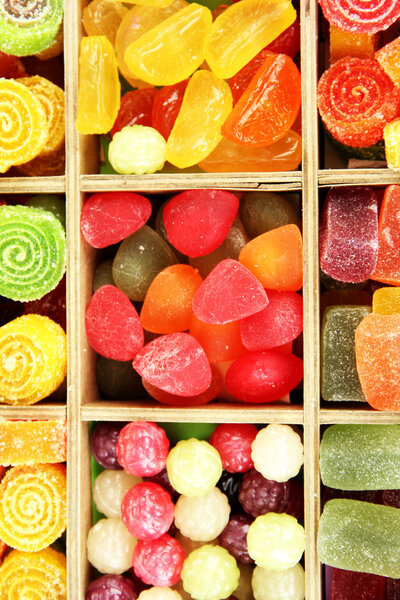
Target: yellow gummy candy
(386, 301)
(32, 442)
(346, 43)
(159, 3)
(391, 136)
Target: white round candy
(279, 585)
(202, 518)
(159, 593)
(109, 490)
(110, 546)
(277, 452)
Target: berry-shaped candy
(135, 109)
(233, 442)
(277, 452)
(103, 444)
(193, 467)
(276, 541)
(360, 16)
(109, 489)
(210, 573)
(162, 479)
(111, 587)
(159, 562)
(234, 537)
(142, 448)
(147, 511)
(160, 593)
(259, 495)
(270, 584)
(137, 149)
(110, 546)
(202, 518)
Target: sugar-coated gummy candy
(259, 495)
(137, 149)
(347, 43)
(103, 443)
(158, 562)
(233, 442)
(110, 546)
(347, 584)
(386, 300)
(142, 448)
(209, 394)
(51, 203)
(32, 442)
(288, 584)
(202, 518)
(387, 269)
(136, 108)
(261, 212)
(160, 593)
(147, 510)
(391, 136)
(277, 440)
(210, 573)
(194, 467)
(103, 17)
(388, 57)
(220, 342)
(109, 489)
(360, 17)
(234, 537)
(111, 587)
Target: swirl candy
(361, 16)
(32, 252)
(33, 359)
(33, 507)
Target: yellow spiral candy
(40, 575)
(33, 359)
(33, 507)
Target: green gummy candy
(49, 202)
(360, 536)
(339, 378)
(29, 27)
(361, 457)
(32, 252)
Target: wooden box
(82, 401)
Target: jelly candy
(136, 108)
(360, 17)
(190, 512)
(230, 292)
(112, 324)
(33, 512)
(99, 86)
(175, 363)
(263, 211)
(103, 443)
(360, 457)
(172, 50)
(32, 442)
(206, 104)
(346, 43)
(210, 573)
(108, 585)
(268, 107)
(356, 535)
(386, 301)
(109, 489)
(110, 546)
(388, 57)
(51, 203)
(270, 584)
(391, 136)
(174, 400)
(387, 268)
(193, 467)
(288, 42)
(103, 17)
(166, 106)
(147, 510)
(244, 29)
(346, 585)
(348, 234)
(11, 67)
(233, 442)
(158, 562)
(353, 101)
(52, 305)
(137, 149)
(142, 448)
(197, 221)
(277, 440)
(109, 217)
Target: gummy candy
(346, 43)
(142, 448)
(110, 546)
(158, 562)
(210, 573)
(107, 586)
(166, 106)
(51, 203)
(346, 585)
(387, 268)
(32, 442)
(219, 342)
(263, 211)
(209, 394)
(193, 467)
(109, 489)
(386, 301)
(103, 17)
(388, 57)
(137, 149)
(270, 584)
(391, 136)
(136, 108)
(359, 16)
(11, 67)
(147, 510)
(233, 442)
(190, 512)
(277, 440)
(103, 443)
(33, 507)
(288, 42)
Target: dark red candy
(259, 495)
(147, 511)
(234, 537)
(109, 217)
(112, 324)
(197, 221)
(175, 363)
(103, 443)
(51, 305)
(229, 293)
(278, 323)
(264, 376)
(288, 42)
(111, 587)
(349, 585)
(142, 448)
(162, 479)
(136, 109)
(166, 106)
(392, 589)
(233, 442)
(159, 562)
(11, 67)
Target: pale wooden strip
(32, 185)
(358, 177)
(36, 411)
(364, 414)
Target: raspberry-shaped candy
(137, 149)
(277, 452)
(234, 537)
(259, 495)
(103, 444)
(109, 489)
(233, 442)
(193, 467)
(142, 448)
(278, 585)
(159, 562)
(202, 518)
(210, 573)
(147, 511)
(160, 593)
(276, 541)
(111, 587)
(110, 546)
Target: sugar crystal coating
(360, 16)
(362, 585)
(32, 442)
(387, 269)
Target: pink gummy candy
(198, 221)
(229, 293)
(112, 324)
(142, 448)
(159, 562)
(175, 363)
(109, 217)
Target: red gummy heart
(109, 217)
(229, 293)
(198, 221)
(175, 363)
(112, 324)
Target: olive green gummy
(27, 40)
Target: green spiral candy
(29, 26)
(32, 252)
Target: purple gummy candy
(103, 441)
(259, 495)
(111, 587)
(234, 537)
(348, 233)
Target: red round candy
(159, 562)
(112, 324)
(166, 106)
(135, 109)
(233, 442)
(197, 221)
(142, 448)
(147, 511)
(109, 217)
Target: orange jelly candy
(219, 342)
(389, 59)
(32, 442)
(347, 43)
(388, 266)
(276, 258)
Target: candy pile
(219, 89)
(31, 105)
(33, 512)
(359, 94)
(202, 519)
(359, 257)
(218, 313)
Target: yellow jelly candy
(159, 3)
(386, 301)
(197, 130)
(391, 136)
(32, 442)
(174, 49)
(33, 359)
(99, 87)
(103, 17)
(243, 30)
(346, 43)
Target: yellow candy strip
(391, 136)
(32, 442)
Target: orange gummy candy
(276, 258)
(32, 442)
(389, 58)
(219, 342)
(388, 266)
(346, 43)
(386, 301)
(167, 307)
